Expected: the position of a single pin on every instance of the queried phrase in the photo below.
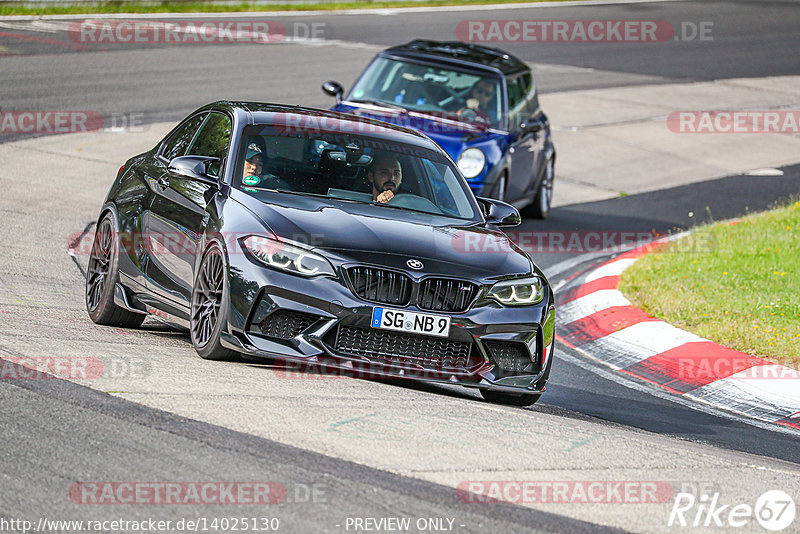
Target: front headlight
(285, 257)
(520, 292)
(471, 162)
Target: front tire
(501, 188)
(525, 399)
(102, 275)
(210, 307)
(540, 208)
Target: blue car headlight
(287, 257)
(471, 162)
(519, 292)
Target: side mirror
(531, 125)
(194, 168)
(334, 89)
(499, 213)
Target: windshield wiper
(447, 116)
(379, 103)
(405, 208)
(301, 193)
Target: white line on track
(38, 25)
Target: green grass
(13, 8)
(736, 284)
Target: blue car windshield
(319, 159)
(465, 96)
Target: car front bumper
(308, 316)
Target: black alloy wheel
(102, 275)
(209, 307)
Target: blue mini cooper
(478, 103)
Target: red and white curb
(597, 319)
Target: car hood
(364, 233)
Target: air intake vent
(406, 350)
(285, 324)
(510, 358)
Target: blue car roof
(456, 53)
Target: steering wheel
(468, 114)
(471, 115)
(426, 90)
(453, 95)
(414, 202)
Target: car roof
(468, 55)
(265, 113)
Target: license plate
(406, 321)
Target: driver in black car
(385, 176)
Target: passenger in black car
(254, 159)
(253, 164)
(385, 174)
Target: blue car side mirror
(334, 89)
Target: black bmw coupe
(325, 238)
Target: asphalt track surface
(162, 82)
(56, 432)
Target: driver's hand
(385, 197)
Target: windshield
(351, 167)
(440, 91)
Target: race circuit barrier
(596, 318)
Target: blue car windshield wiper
(380, 103)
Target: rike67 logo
(774, 510)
